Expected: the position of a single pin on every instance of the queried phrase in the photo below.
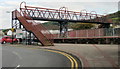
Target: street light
(12, 24)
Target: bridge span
(27, 14)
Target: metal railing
(63, 14)
(39, 30)
(91, 33)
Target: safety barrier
(90, 33)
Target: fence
(88, 33)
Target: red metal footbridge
(27, 15)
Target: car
(8, 39)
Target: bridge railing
(63, 14)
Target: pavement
(91, 55)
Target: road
(31, 57)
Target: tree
(79, 26)
(5, 31)
(51, 25)
(115, 17)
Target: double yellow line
(74, 63)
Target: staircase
(43, 35)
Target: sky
(100, 6)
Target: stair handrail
(23, 12)
(19, 15)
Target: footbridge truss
(28, 14)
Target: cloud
(7, 7)
(100, 6)
(72, 0)
(5, 18)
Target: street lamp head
(7, 11)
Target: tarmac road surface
(30, 57)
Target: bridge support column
(20, 26)
(63, 29)
(29, 38)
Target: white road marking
(17, 54)
(17, 66)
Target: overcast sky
(100, 6)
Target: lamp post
(11, 24)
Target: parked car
(8, 39)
